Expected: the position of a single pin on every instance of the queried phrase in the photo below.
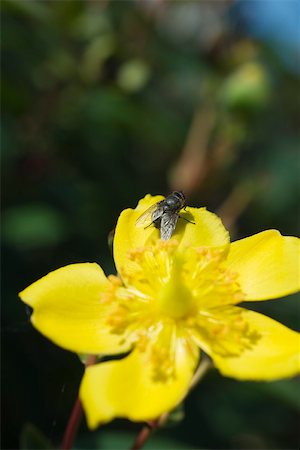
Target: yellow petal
(127, 235)
(67, 309)
(125, 388)
(274, 355)
(268, 265)
(208, 230)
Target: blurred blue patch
(276, 22)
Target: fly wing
(150, 215)
(167, 225)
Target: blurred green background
(103, 102)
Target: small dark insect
(164, 214)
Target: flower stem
(151, 426)
(72, 426)
(75, 417)
(144, 435)
(203, 367)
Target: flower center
(175, 298)
(176, 283)
(158, 272)
(166, 289)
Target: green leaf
(32, 226)
(112, 440)
(285, 390)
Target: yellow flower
(171, 298)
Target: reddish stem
(144, 434)
(75, 416)
(72, 426)
(147, 430)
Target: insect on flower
(170, 299)
(164, 215)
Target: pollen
(116, 281)
(225, 329)
(168, 288)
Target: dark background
(103, 102)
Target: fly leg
(187, 220)
(155, 222)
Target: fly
(164, 214)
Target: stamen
(225, 329)
(116, 281)
(163, 353)
(171, 291)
